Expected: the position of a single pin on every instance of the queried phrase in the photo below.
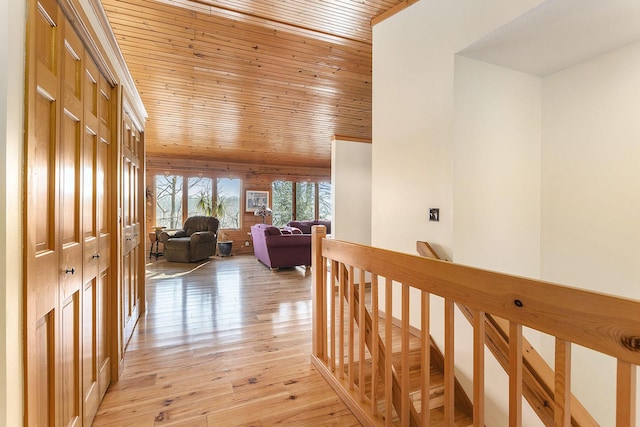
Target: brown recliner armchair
(195, 242)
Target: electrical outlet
(246, 243)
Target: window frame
(185, 192)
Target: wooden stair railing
(603, 323)
(538, 377)
(436, 356)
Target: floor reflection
(219, 299)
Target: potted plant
(224, 243)
(217, 209)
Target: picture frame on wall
(255, 199)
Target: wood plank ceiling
(250, 81)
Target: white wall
(351, 191)
(496, 170)
(12, 52)
(413, 140)
(496, 193)
(467, 139)
(413, 79)
(591, 193)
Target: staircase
(463, 410)
(409, 362)
(382, 366)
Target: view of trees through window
(305, 200)
(229, 202)
(312, 201)
(282, 202)
(169, 201)
(199, 199)
(324, 200)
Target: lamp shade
(262, 211)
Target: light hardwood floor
(223, 343)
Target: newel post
(318, 300)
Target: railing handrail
(602, 322)
(538, 376)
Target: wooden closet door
(71, 238)
(96, 241)
(104, 178)
(69, 122)
(41, 216)
(131, 280)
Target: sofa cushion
(272, 231)
(305, 226)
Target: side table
(158, 229)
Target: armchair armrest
(166, 235)
(203, 236)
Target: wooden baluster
(362, 334)
(375, 335)
(388, 340)
(320, 266)
(425, 392)
(341, 297)
(626, 394)
(478, 367)
(449, 363)
(332, 316)
(562, 393)
(405, 385)
(515, 374)
(352, 298)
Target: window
(282, 202)
(305, 201)
(229, 202)
(169, 201)
(300, 201)
(325, 210)
(200, 196)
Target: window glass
(282, 202)
(305, 201)
(200, 192)
(169, 201)
(324, 200)
(228, 202)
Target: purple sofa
(277, 249)
(305, 226)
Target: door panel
(103, 349)
(91, 397)
(70, 364)
(42, 400)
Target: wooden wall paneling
(256, 93)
